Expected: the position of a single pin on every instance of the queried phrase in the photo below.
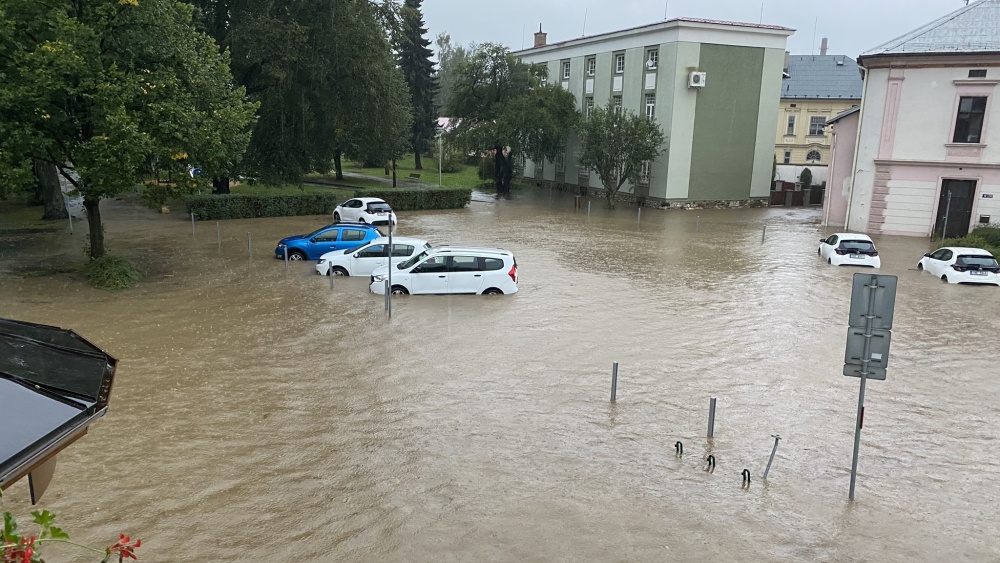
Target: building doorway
(956, 215)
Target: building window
(566, 70)
(816, 125)
(814, 156)
(977, 73)
(788, 157)
(652, 59)
(619, 64)
(650, 106)
(791, 125)
(969, 125)
(618, 104)
(644, 173)
(588, 106)
(591, 66)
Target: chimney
(822, 47)
(540, 37)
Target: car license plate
(978, 272)
(857, 256)
(380, 212)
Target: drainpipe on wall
(857, 147)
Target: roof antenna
(584, 32)
(665, 4)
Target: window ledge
(966, 145)
(976, 81)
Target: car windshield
(858, 246)
(977, 260)
(378, 208)
(412, 261)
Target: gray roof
(821, 77)
(843, 114)
(971, 29)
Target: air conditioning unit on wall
(696, 80)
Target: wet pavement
(259, 415)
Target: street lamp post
(440, 156)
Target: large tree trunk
(337, 165)
(220, 185)
(48, 192)
(93, 207)
(416, 161)
(502, 171)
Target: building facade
(815, 88)
(713, 87)
(927, 153)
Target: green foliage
(806, 178)
(111, 272)
(414, 58)
(450, 59)
(238, 206)
(155, 196)
(615, 143)
(453, 160)
(486, 169)
(985, 237)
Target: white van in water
(451, 269)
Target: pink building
(927, 140)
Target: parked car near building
(451, 269)
(338, 236)
(371, 210)
(362, 261)
(849, 249)
(961, 265)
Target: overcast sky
(852, 26)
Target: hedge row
(240, 206)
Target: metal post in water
(711, 417)
(218, 234)
(614, 382)
(763, 234)
(70, 223)
(638, 217)
(286, 257)
(385, 289)
(330, 273)
(865, 358)
(774, 449)
(389, 270)
(249, 245)
(192, 223)
(697, 223)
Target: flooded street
(260, 415)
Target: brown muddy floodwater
(259, 415)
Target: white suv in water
(363, 260)
(451, 269)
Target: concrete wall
(844, 136)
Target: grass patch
(111, 272)
(16, 214)
(466, 177)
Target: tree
(615, 143)
(97, 88)
(450, 59)
(48, 191)
(504, 108)
(806, 178)
(418, 70)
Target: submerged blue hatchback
(338, 236)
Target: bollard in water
(588, 209)
(697, 223)
(218, 234)
(249, 245)
(679, 448)
(763, 234)
(638, 217)
(286, 257)
(385, 287)
(330, 273)
(774, 449)
(70, 223)
(711, 417)
(746, 478)
(192, 223)
(614, 382)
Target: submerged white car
(955, 264)
(371, 210)
(362, 261)
(451, 269)
(849, 249)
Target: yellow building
(815, 88)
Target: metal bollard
(286, 257)
(588, 209)
(614, 382)
(330, 273)
(638, 217)
(763, 234)
(697, 223)
(218, 234)
(774, 449)
(249, 245)
(192, 223)
(70, 223)
(711, 417)
(385, 286)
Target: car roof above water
(967, 250)
(398, 240)
(446, 249)
(853, 236)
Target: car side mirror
(822, 240)
(927, 255)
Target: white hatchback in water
(362, 261)
(451, 269)
(955, 264)
(849, 249)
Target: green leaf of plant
(58, 533)
(9, 528)
(43, 518)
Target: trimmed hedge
(239, 206)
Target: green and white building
(714, 87)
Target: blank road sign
(879, 348)
(885, 300)
(853, 370)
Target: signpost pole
(865, 359)
(389, 297)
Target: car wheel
(336, 217)
(920, 266)
(492, 291)
(399, 290)
(338, 271)
(296, 255)
(944, 279)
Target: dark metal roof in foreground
(53, 385)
